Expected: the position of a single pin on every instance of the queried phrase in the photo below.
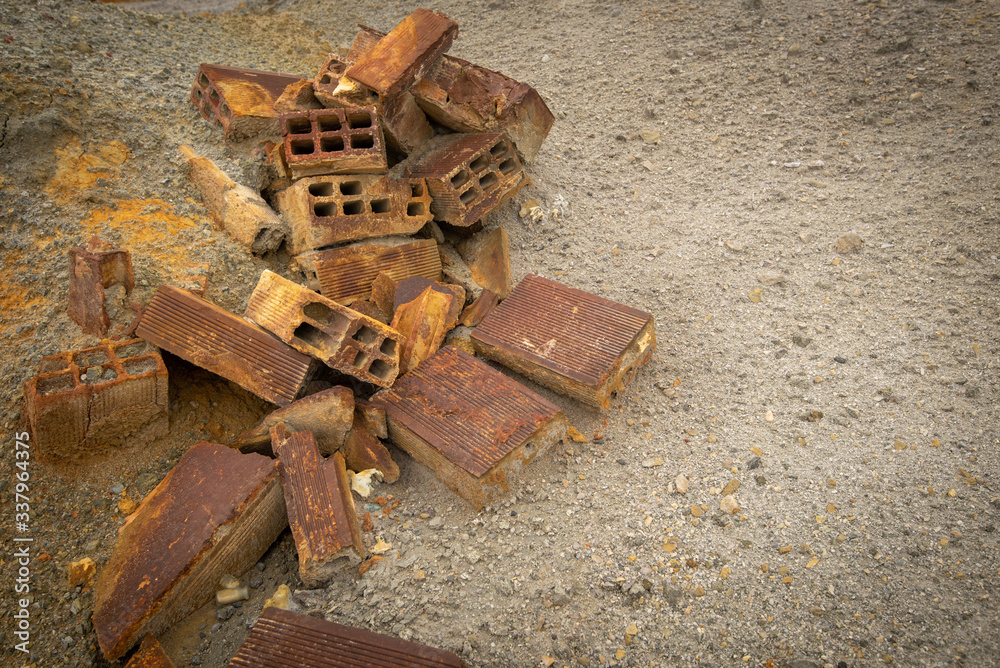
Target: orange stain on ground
(76, 170)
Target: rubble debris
(240, 100)
(488, 257)
(327, 414)
(330, 73)
(373, 417)
(216, 512)
(333, 141)
(576, 343)
(423, 324)
(347, 273)
(342, 339)
(384, 293)
(361, 482)
(479, 309)
(80, 572)
(84, 402)
(363, 451)
(411, 288)
(281, 638)
(150, 655)
(459, 338)
(327, 210)
(240, 211)
(370, 309)
(320, 506)
(298, 96)
(468, 175)
(454, 270)
(465, 97)
(475, 427)
(92, 269)
(405, 125)
(225, 344)
(281, 598)
(231, 595)
(402, 56)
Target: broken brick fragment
(402, 56)
(85, 402)
(468, 175)
(100, 265)
(320, 506)
(240, 100)
(475, 427)
(363, 451)
(298, 96)
(281, 638)
(342, 339)
(327, 414)
(576, 343)
(479, 309)
(423, 324)
(488, 257)
(216, 512)
(410, 288)
(150, 655)
(225, 344)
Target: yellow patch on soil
(16, 303)
(77, 170)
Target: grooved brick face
(333, 141)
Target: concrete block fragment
(576, 343)
(476, 428)
(225, 344)
(341, 338)
(320, 506)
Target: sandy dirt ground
(803, 194)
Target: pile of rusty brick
(391, 139)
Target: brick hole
(362, 141)
(213, 94)
(131, 349)
(324, 315)
(198, 94)
(302, 147)
(297, 126)
(91, 357)
(498, 150)
(415, 209)
(54, 384)
(388, 347)
(468, 196)
(325, 79)
(366, 334)
(51, 365)
(361, 359)
(355, 121)
(507, 166)
(225, 110)
(380, 370)
(141, 365)
(331, 144)
(106, 375)
(380, 206)
(416, 189)
(203, 80)
(488, 180)
(321, 189)
(309, 335)
(350, 188)
(479, 164)
(354, 208)
(328, 123)
(460, 179)
(325, 209)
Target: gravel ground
(803, 194)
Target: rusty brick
(320, 506)
(216, 512)
(479, 309)
(423, 324)
(347, 273)
(488, 257)
(342, 339)
(370, 309)
(373, 418)
(298, 96)
(576, 343)
(362, 451)
(468, 175)
(455, 270)
(474, 426)
(225, 344)
(405, 124)
(327, 414)
(83, 402)
(384, 294)
(327, 210)
(402, 56)
(240, 100)
(281, 638)
(100, 265)
(333, 141)
(329, 75)
(465, 97)
(150, 655)
(411, 288)
(240, 211)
